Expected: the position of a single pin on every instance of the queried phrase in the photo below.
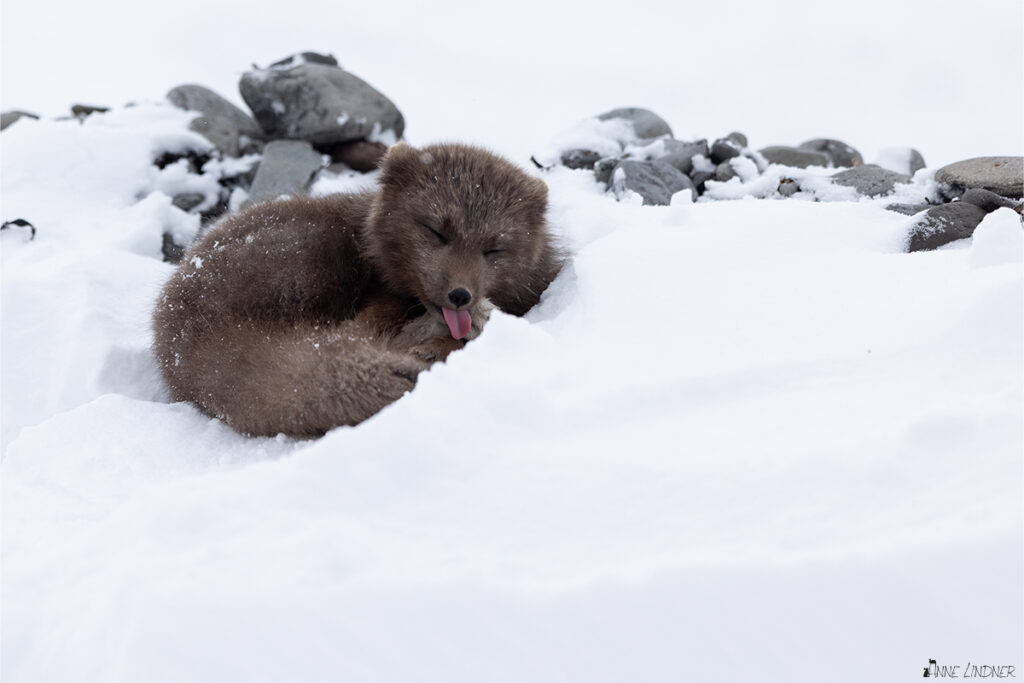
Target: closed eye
(493, 252)
(441, 238)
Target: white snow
(328, 182)
(604, 137)
(386, 137)
(997, 240)
(738, 440)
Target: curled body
(299, 315)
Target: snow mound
(997, 240)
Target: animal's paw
(436, 349)
(480, 314)
(418, 331)
(404, 369)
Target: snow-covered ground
(738, 440)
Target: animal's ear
(540, 187)
(400, 162)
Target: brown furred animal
(299, 315)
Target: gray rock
(320, 103)
(172, 251)
(603, 169)
(944, 224)
(788, 187)
(737, 137)
(987, 201)
(83, 110)
(950, 193)
(580, 158)
(724, 149)
(9, 117)
(654, 181)
(838, 152)
(248, 145)
(724, 172)
(222, 123)
(188, 201)
(728, 147)
(698, 178)
(870, 180)
(1002, 175)
(306, 57)
(791, 156)
(908, 209)
(646, 124)
(223, 136)
(680, 154)
(286, 168)
(198, 98)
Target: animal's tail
(268, 378)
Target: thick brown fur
(299, 315)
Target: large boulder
(1002, 175)
(221, 122)
(301, 99)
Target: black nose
(459, 297)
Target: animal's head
(455, 224)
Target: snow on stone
(999, 239)
(604, 137)
(386, 137)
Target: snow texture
(997, 240)
(737, 440)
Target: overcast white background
(944, 77)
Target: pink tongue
(459, 322)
